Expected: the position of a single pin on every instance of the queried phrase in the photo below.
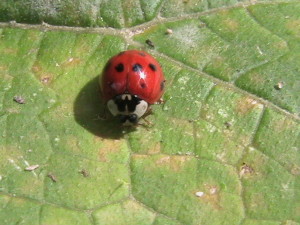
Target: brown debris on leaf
(245, 170)
(84, 173)
(169, 31)
(150, 43)
(45, 80)
(279, 85)
(52, 177)
(32, 167)
(228, 125)
(19, 99)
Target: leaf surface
(222, 149)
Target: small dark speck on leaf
(84, 173)
(150, 43)
(246, 169)
(279, 85)
(203, 25)
(227, 125)
(45, 80)
(52, 177)
(169, 31)
(19, 99)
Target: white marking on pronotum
(113, 108)
(141, 108)
(126, 95)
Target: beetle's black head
(129, 108)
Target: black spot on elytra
(162, 85)
(119, 67)
(137, 67)
(152, 67)
(143, 85)
(142, 54)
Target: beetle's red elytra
(131, 81)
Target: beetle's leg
(146, 126)
(147, 122)
(148, 112)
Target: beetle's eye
(132, 118)
(123, 118)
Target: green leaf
(154, 178)
(262, 191)
(128, 212)
(222, 149)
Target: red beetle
(131, 81)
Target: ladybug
(131, 81)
